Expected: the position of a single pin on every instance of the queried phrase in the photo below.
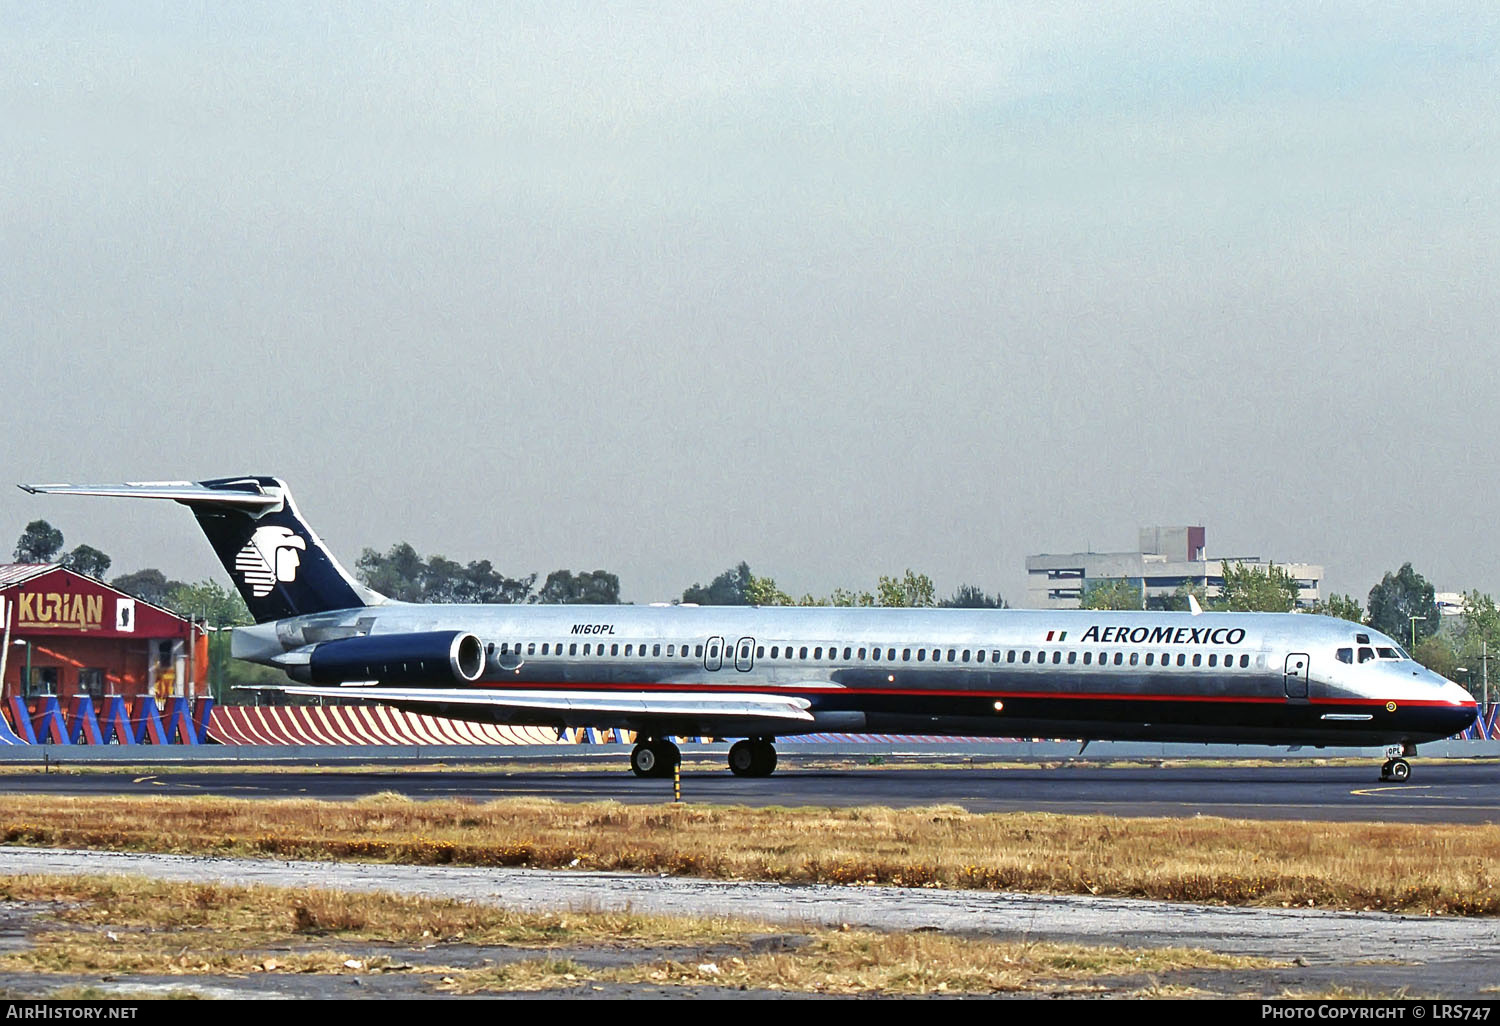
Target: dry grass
(1433, 869)
(123, 926)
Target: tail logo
(269, 556)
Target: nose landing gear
(1395, 767)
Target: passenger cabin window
(531, 649)
(1134, 658)
(1072, 658)
(1213, 659)
(1197, 659)
(1088, 658)
(1119, 658)
(1056, 657)
(1244, 661)
(614, 650)
(1181, 659)
(1150, 656)
(1026, 656)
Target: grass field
(121, 928)
(1447, 870)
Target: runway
(1442, 792)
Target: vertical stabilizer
(278, 563)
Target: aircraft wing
(654, 704)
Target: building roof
(20, 573)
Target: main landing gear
(654, 757)
(753, 757)
(1395, 767)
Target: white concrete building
(1166, 559)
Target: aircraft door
(1296, 675)
(713, 654)
(744, 655)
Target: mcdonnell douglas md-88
(761, 672)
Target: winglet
(1193, 606)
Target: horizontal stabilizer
(252, 498)
(628, 703)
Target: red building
(80, 636)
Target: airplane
(758, 673)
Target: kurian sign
(59, 610)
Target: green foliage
(210, 601)
(402, 574)
(728, 589)
(587, 587)
(911, 590)
(842, 597)
(1397, 599)
(1437, 654)
(1113, 593)
(1178, 600)
(87, 560)
(762, 591)
(39, 543)
(971, 596)
(1345, 607)
(1256, 589)
(1478, 635)
(149, 585)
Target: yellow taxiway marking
(1368, 792)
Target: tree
(87, 560)
(1344, 607)
(971, 596)
(1178, 600)
(1403, 603)
(1437, 654)
(910, 590)
(402, 574)
(397, 574)
(762, 591)
(1478, 633)
(149, 585)
(595, 587)
(39, 543)
(1112, 593)
(728, 589)
(1255, 589)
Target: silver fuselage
(1212, 677)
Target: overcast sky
(836, 289)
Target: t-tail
(275, 559)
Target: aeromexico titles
(761, 672)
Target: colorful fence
(44, 720)
(360, 725)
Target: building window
(91, 680)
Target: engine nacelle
(430, 657)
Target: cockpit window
(1388, 653)
(1346, 655)
(1366, 654)
(1363, 639)
(1403, 652)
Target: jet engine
(430, 657)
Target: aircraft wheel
(742, 759)
(766, 758)
(752, 758)
(1385, 770)
(645, 760)
(668, 758)
(1400, 770)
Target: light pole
(1469, 674)
(1414, 620)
